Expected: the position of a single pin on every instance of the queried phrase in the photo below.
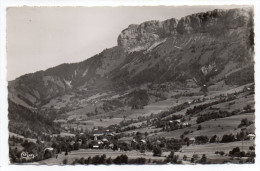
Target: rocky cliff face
(141, 37)
(205, 47)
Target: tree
(76, 146)
(235, 151)
(213, 139)
(114, 147)
(109, 160)
(245, 122)
(123, 159)
(203, 159)
(201, 139)
(172, 158)
(157, 151)
(65, 161)
(248, 108)
(228, 138)
(146, 134)
(251, 148)
(47, 154)
(199, 127)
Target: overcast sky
(43, 37)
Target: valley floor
(207, 149)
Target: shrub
(235, 151)
(65, 161)
(228, 138)
(194, 158)
(109, 160)
(157, 151)
(242, 154)
(184, 157)
(221, 153)
(47, 154)
(172, 158)
(199, 127)
(123, 159)
(244, 122)
(203, 159)
(251, 148)
(201, 139)
(213, 139)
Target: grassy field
(217, 127)
(207, 149)
(85, 153)
(210, 149)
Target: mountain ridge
(196, 47)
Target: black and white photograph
(131, 85)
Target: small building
(96, 146)
(72, 143)
(98, 135)
(110, 134)
(105, 140)
(185, 123)
(178, 121)
(111, 146)
(251, 136)
(143, 141)
(99, 142)
(49, 148)
(192, 140)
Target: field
(85, 153)
(217, 127)
(207, 149)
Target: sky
(42, 37)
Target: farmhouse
(251, 136)
(192, 140)
(72, 142)
(185, 124)
(111, 146)
(49, 148)
(96, 146)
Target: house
(192, 140)
(72, 143)
(97, 135)
(79, 141)
(49, 148)
(99, 142)
(178, 121)
(105, 140)
(185, 123)
(96, 146)
(111, 146)
(251, 136)
(110, 134)
(142, 141)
